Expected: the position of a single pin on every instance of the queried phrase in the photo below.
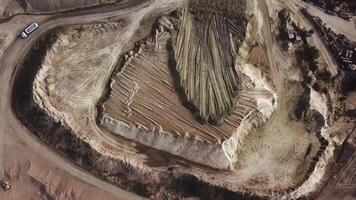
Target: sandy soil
(51, 5)
(351, 101)
(342, 185)
(10, 33)
(3, 5)
(34, 177)
(11, 8)
(75, 89)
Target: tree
(330, 5)
(310, 55)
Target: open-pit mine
(188, 99)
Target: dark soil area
(349, 82)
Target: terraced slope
(144, 95)
(209, 37)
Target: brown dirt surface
(12, 8)
(258, 57)
(343, 184)
(15, 7)
(2, 42)
(52, 5)
(34, 177)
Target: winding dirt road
(10, 64)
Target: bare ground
(258, 164)
(131, 93)
(33, 177)
(12, 8)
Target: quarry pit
(180, 95)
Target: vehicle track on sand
(10, 65)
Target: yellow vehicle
(5, 185)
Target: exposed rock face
(209, 37)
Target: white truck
(29, 30)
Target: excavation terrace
(149, 100)
(172, 93)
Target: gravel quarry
(175, 100)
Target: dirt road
(14, 55)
